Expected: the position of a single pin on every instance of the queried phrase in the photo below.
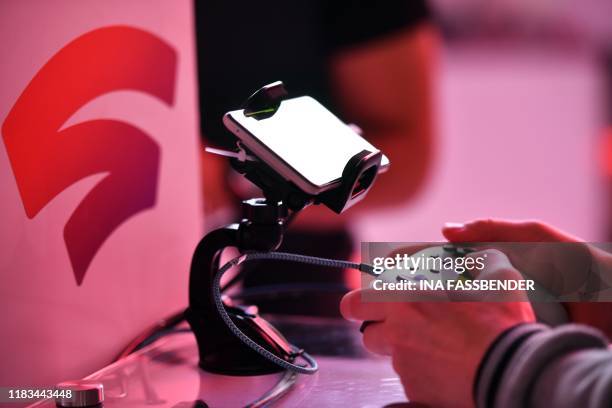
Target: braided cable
(312, 365)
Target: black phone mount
(357, 177)
(261, 228)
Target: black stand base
(220, 350)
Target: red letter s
(46, 161)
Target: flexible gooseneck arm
(220, 350)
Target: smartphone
(303, 141)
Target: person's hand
(436, 347)
(491, 230)
(568, 271)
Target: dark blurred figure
(368, 62)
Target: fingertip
(453, 225)
(345, 305)
(472, 231)
(453, 231)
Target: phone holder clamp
(357, 177)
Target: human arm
(536, 366)
(596, 314)
(434, 341)
(385, 86)
(493, 348)
(489, 355)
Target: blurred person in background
(368, 62)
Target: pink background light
(518, 137)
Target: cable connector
(366, 268)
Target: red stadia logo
(47, 160)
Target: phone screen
(306, 136)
